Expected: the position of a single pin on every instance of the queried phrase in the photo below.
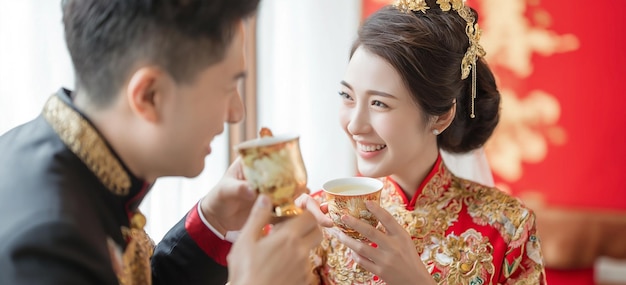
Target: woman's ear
(443, 121)
(145, 91)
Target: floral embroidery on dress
(462, 259)
(488, 206)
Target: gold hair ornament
(474, 51)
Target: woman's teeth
(370, 148)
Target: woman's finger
(307, 202)
(387, 220)
(366, 263)
(324, 207)
(363, 228)
(361, 247)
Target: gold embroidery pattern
(136, 269)
(435, 208)
(529, 277)
(340, 268)
(464, 259)
(451, 258)
(489, 206)
(84, 141)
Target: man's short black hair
(107, 39)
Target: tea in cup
(347, 196)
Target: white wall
(33, 59)
(303, 49)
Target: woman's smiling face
(386, 127)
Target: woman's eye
(379, 104)
(345, 95)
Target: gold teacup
(274, 166)
(347, 196)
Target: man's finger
(259, 217)
(302, 224)
(313, 237)
(236, 169)
(310, 237)
(237, 189)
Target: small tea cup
(347, 196)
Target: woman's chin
(369, 170)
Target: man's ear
(443, 121)
(144, 92)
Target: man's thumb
(259, 217)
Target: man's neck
(116, 124)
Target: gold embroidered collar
(85, 141)
(433, 186)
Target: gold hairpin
(474, 51)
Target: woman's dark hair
(426, 49)
(106, 39)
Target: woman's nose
(359, 121)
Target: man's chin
(194, 171)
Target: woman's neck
(411, 177)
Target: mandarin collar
(432, 183)
(83, 139)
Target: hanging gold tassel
(136, 258)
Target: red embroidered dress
(465, 233)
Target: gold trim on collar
(84, 141)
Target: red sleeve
(212, 245)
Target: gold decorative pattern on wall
(529, 122)
(511, 39)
